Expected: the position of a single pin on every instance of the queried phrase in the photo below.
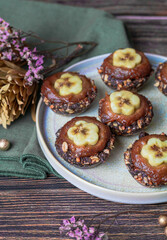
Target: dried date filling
(84, 133)
(126, 58)
(124, 102)
(155, 151)
(68, 84)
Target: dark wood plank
(33, 209)
(121, 7)
(148, 35)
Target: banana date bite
(161, 78)
(125, 69)
(146, 159)
(68, 92)
(125, 112)
(84, 142)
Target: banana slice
(124, 102)
(155, 151)
(68, 84)
(84, 133)
(126, 58)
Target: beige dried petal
(5, 69)
(18, 81)
(13, 110)
(9, 77)
(15, 97)
(5, 88)
(2, 75)
(12, 96)
(18, 98)
(27, 100)
(3, 119)
(15, 67)
(3, 82)
(22, 89)
(7, 99)
(1, 63)
(16, 74)
(15, 89)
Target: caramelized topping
(108, 115)
(49, 91)
(102, 131)
(140, 70)
(157, 173)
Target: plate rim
(91, 188)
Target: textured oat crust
(117, 84)
(71, 107)
(137, 174)
(141, 176)
(120, 129)
(85, 162)
(158, 81)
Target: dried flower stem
(49, 53)
(64, 60)
(115, 217)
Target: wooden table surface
(33, 209)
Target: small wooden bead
(162, 221)
(4, 144)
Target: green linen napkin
(53, 22)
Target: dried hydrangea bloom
(13, 48)
(18, 87)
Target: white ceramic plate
(110, 180)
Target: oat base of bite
(85, 162)
(126, 69)
(60, 92)
(70, 108)
(137, 174)
(128, 84)
(158, 81)
(140, 175)
(142, 123)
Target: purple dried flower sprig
(13, 48)
(78, 230)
